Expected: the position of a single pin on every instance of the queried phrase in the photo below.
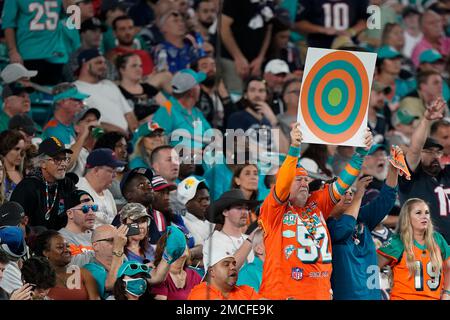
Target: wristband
(445, 291)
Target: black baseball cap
(87, 55)
(92, 24)
(11, 214)
(83, 113)
(432, 143)
(148, 173)
(23, 122)
(15, 89)
(73, 198)
(52, 146)
(103, 157)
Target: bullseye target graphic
(334, 96)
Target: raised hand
(435, 110)
(296, 135)
(362, 184)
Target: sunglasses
(136, 267)
(85, 208)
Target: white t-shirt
(80, 165)
(107, 98)
(221, 241)
(12, 277)
(199, 229)
(106, 205)
(410, 43)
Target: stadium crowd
(150, 149)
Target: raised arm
(351, 171)
(286, 174)
(433, 112)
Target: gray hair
(39, 159)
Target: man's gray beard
(382, 175)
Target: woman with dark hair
(51, 244)
(12, 148)
(181, 278)
(131, 283)
(138, 247)
(140, 95)
(315, 160)
(117, 142)
(246, 178)
(38, 272)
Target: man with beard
(206, 13)
(220, 284)
(257, 118)
(429, 181)
(105, 96)
(43, 193)
(276, 74)
(124, 31)
(440, 130)
(214, 101)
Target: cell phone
(133, 229)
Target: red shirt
(168, 288)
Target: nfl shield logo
(297, 273)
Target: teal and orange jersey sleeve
(273, 207)
(325, 199)
(443, 245)
(393, 249)
(347, 176)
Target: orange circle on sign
(329, 137)
(329, 118)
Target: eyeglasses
(58, 161)
(85, 208)
(111, 240)
(437, 153)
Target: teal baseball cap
(147, 129)
(375, 148)
(387, 52)
(430, 56)
(403, 116)
(184, 80)
(71, 93)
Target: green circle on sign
(335, 97)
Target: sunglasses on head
(111, 240)
(135, 266)
(85, 208)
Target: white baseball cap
(276, 66)
(187, 189)
(215, 250)
(16, 71)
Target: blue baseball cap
(430, 56)
(12, 241)
(387, 52)
(184, 80)
(103, 157)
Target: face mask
(135, 287)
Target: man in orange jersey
(221, 280)
(298, 245)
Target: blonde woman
(418, 256)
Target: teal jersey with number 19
(38, 32)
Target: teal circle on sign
(337, 85)
(321, 123)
